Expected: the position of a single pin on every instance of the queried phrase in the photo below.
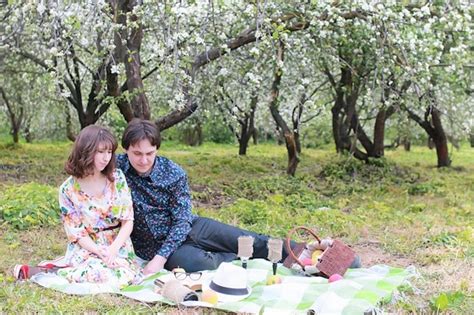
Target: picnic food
(273, 279)
(209, 296)
(335, 277)
(315, 255)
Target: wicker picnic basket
(336, 258)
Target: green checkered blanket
(360, 290)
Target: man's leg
(192, 258)
(215, 236)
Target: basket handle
(288, 241)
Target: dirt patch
(13, 173)
(371, 254)
(451, 275)
(204, 197)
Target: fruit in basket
(315, 255)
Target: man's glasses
(192, 275)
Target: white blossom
(115, 69)
(254, 51)
(65, 93)
(41, 8)
(199, 40)
(223, 72)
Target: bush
(29, 205)
(218, 132)
(423, 188)
(350, 169)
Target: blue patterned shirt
(162, 207)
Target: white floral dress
(84, 215)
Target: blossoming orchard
(367, 74)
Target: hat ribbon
(228, 291)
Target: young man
(166, 232)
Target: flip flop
(21, 272)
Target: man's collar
(153, 173)
(126, 165)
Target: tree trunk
(406, 144)
(140, 105)
(406, 140)
(471, 138)
(69, 132)
(337, 129)
(246, 132)
(15, 121)
(430, 143)
(15, 136)
(341, 111)
(379, 134)
(292, 153)
(28, 135)
(243, 143)
(297, 142)
(199, 134)
(280, 122)
(279, 136)
(247, 126)
(439, 138)
(255, 136)
(129, 54)
(434, 129)
(442, 153)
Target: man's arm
(181, 217)
(155, 265)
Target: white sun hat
(229, 282)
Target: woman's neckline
(91, 196)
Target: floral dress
(96, 217)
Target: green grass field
(399, 211)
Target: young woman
(97, 213)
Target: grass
(400, 211)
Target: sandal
(21, 272)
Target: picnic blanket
(360, 290)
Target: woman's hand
(110, 255)
(112, 251)
(101, 252)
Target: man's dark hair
(138, 130)
(90, 140)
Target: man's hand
(154, 265)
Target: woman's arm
(122, 236)
(88, 244)
(73, 221)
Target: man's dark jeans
(211, 242)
